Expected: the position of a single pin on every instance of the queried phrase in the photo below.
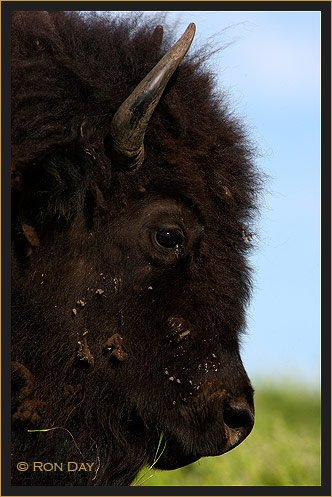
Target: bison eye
(169, 238)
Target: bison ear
(125, 141)
(157, 36)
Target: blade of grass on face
(156, 459)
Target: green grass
(282, 449)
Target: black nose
(239, 420)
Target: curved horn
(125, 140)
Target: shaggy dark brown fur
(115, 341)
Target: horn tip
(190, 31)
(192, 27)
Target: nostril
(238, 417)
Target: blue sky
(271, 70)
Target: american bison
(133, 186)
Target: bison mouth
(183, 448)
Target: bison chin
(232, 425)
(171, 459)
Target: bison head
(129, 270)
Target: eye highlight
(168, 239)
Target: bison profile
(132, 189)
